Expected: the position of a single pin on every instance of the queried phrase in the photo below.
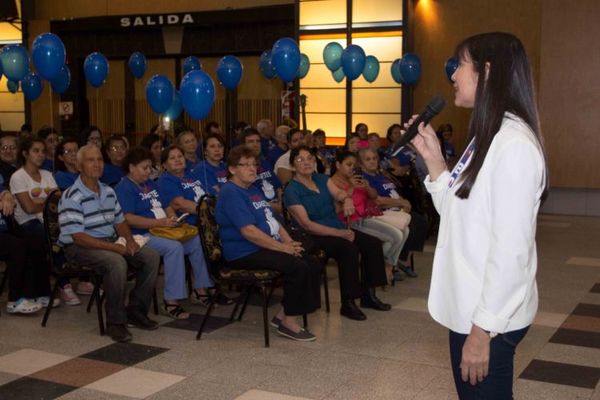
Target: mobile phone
(357, 171)
(183, 216)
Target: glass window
(376, 11)
(319, 76)
(325, 100)
(376, 100)
(376, 122)
(334, 125)
(322, 12)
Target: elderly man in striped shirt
(91, 221)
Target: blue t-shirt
(318, 205)
(48, 165)
(199, 151)
(188, 187)
(3, 225)
(64, 179)
(112, 174)
(266, 145)
(274, 155)
(404, 156)
(141, 200)
(267, 181)
(189, 165)
(238, 207)
(384, 186)
(211, 176)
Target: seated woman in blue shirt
(186, 140)
(212, 171)
(66, 163)
(114, 152)
(309, 197)
(389, 198)
(253, 239)
(141, 203)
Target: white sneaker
(69, 296)
(45, 300)
(22, 306)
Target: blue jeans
(173, 253)
(497, 385)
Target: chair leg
(91, 301)
(155, 301)
(4, 279)
(265, 306)
(412, 262)
(235, 308)
(212, 299)
(305, 321)
(50, 303)
(99, 300)
(243, 310)
(326, 288)
(271, 290)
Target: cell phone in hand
(182, 217)
(357, 171)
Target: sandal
(175, 311)
(200, 299)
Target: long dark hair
(508, 87)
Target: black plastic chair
(221, 274)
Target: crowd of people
(353, 201)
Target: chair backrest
(209, 233)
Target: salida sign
(156, 20)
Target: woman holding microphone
(483, 286)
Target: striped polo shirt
(81, 210)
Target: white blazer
(485, 259)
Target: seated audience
(26, 132)
(91, 221)
(444, 133)
(253, 239)
(8, 156)
(211, 128)
(266, 129)
(283, 167)
(50, 138)
(186, 141)
(352, 143)
(324, 154)
(309, 197)
(66, 163)
(212, 171)
(362, 130)
(91, 135)
(282, 144)
(114, 151)
(153, 142)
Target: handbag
(181, 233)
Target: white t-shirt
(283, 162)
(21, 182)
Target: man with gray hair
(93, 232)
(266, 129)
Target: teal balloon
(95, 68)
(61, 83)
(1, 69)
(197, 91)
(353, 61)
(332, 56)
(338, 75)
(48, 55)
(175, 109)
(12, 86)
(371, 70)
(15, 62)
(159, 93)
(191, 63)
(410, 68)
(450, 67)
(304, 66)
(396, 74)
(32, 86)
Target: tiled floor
(401, 354)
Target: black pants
(360, 263)
(301, 278)
(419, 227)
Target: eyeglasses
(300, 160)
(117, 148)
(6, 148)
(66, 152)
(248, 165)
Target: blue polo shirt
(267, 181)
(65, 179)
(189, 187)
(211, 176)
(318, 205)
(83, 211)
(384, 186)
(112, 174)
(236, 208)
(142, 200)
(48, 165)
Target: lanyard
(464, 161)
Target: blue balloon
(304, 66)
(95, 68)
(286, 58)
(353, 61)
(396, 74)
(191, 64)
(197, 92)
(15, 62)
(332, 56)
(410, 68)
(371, 70)
(48, 55)
(159, 93)
(266, 65)
(137, 64)
(12, 86)
(450, 67)
(338, 74)
(32, 86)
(229, 71)
(175, 109)
(61, 83)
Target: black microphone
(433, 108)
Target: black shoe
(223, 300)
(407, 270)
(369, 300)
(137, 319)
(350, 310)
(118, 332)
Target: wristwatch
(492, 334)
